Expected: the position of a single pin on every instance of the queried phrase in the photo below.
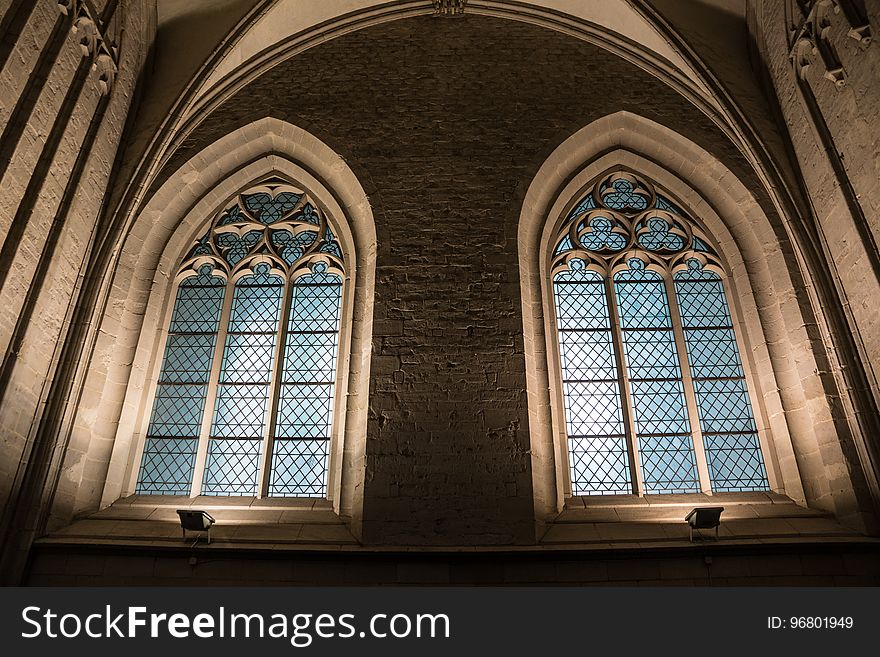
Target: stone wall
(822, 68)
(69, 79)
(832, 119)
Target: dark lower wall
(781, 565)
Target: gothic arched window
(654, 391)
(244, 402)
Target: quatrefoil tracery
(623, 218)
(274, 223)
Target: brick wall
(446, 123)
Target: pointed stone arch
(105, 435)
(805, 429)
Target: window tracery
(245, 397)
(654, 392)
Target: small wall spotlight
(705, 517)
(197, 521)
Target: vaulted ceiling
(208, 49)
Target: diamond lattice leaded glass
(173, 434)
(305, 407)
(273, 243)
(732, 447)
(636, 292)
(594, 422)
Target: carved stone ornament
(449, 7)
(813, 36)
(272, 223)
(106, 67)
(813, 39)
(68, 7)
(87, 34)
(93, 39)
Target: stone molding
(449, 7)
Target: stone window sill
(658, 520)
(153, 519)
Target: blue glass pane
(580, 299)
(177, 410)
(587, 356)
(701, 299)
(292, 247)
(735, 462)
(598, 454)
(175, 423)
(585, 204)
(599, 465)
(659, 409)
(239, 421)
(668, 464)
(167, 466)
(664, 203)
(724, 405)
(299, 468)
(658, 237)
(240, 411)
(198, 305)
(248, 358)
(726, 419)
(700, 245)
(564, 245)
(651, 354)
(188, 357)
(641, 298)
(712, 353)
(305, 411)
(267, 209)
(331, 245)
(236, 248)
(593, 408)
(233, 467)
(601, 236)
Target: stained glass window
(250, 386)
(654, 392)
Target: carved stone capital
(107, 69)
(87, 34)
